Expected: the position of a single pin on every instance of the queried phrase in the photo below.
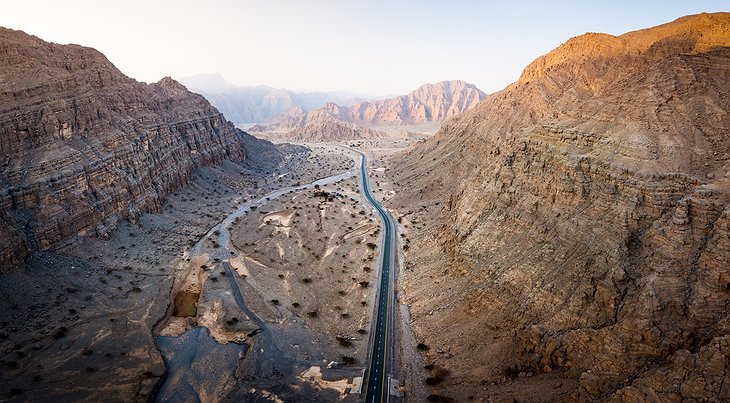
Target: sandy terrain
(304, 262)
(76, 324)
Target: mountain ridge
(580, 219)
(85, 146)
(427, 106)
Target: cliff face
(83, 145)
(430, 103)
(582, 221)
(425, 108)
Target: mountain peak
(170, 83)
(690, 34)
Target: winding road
(382, 336)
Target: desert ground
(151, 312)
(86, 312)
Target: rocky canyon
(565, 238)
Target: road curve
(381, 350)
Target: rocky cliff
(430, 103)
(82, 145)
(576, 224)
(423, 109)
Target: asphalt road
(379, 370)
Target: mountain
(83, 145)
(423, 110)
(430, 103)
(257, 104)
(329, 123)
(576, 224)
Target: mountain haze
(258, 104)
(421, 110)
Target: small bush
(511, 372)
(344, 341)
(60, 332)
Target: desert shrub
(344, 341)
(60, 332)
(511, 372)
(438, 375)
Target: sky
(369, 47)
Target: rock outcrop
(429, 103)
(327, 124)
(582, 223)
(82, 145)
(423, 109)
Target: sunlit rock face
(579, 220)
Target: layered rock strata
(582, 223)
(82, 145)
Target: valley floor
(154, 311)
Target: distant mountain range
(256, 104)
(422, 110)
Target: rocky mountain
(329, 123)
(83, 145)
(576, 225)
(423, 109)
(429, 103)
(257, 104)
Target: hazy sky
(371, 47)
